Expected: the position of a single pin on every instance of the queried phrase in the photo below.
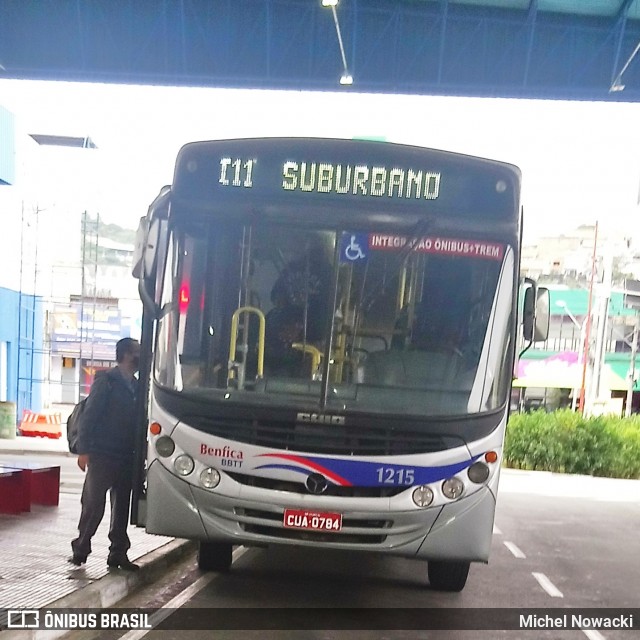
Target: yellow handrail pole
(234, 337)
(339, 355)
(232, 345)
(262, 328)
(316, 354)
(401, 289)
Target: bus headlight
(478, 472)
(165, 446)
(183, 464)
(452, 488)
(210, 478)
(422, 496)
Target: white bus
(328, 343)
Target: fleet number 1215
(393, 475)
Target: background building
(21, 320)
(590, 349)
(66, 291)
(567, 259)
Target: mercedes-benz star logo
(316, 483)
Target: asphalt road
(560, 542)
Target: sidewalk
(34, 572)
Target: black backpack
(74, 423)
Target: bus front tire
(214, 556)
(448, 576)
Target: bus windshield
(338, 319)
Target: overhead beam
(440, 47)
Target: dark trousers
(105, 474)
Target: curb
(36, 452)
(28, 446)
(110, 589)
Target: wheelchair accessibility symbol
(354, 247)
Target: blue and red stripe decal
(347, 473)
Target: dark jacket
(108, 421)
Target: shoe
(114, 562)
(77, 559)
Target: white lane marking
(496, 531)
(593, 635)
(177, 601)
(516, 551)
(547, 585)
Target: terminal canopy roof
(559, 49)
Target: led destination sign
(360, 178)
(324, 177)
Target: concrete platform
(34, 571)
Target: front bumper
(254, 516)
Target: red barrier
(45, 425)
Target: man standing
(105, 448)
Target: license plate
(312, 520)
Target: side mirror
(146, 249)
(151, 247)
(147, 237)
(536, 314)
(138, 252)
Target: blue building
(21, 315)
(21, 352)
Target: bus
(328, 342)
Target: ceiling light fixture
(346, 78)
(617, 85)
